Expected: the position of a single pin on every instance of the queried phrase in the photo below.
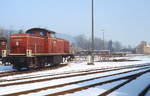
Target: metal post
(103, 41)
(92, 43)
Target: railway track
(2, 74)
(10, 73)
(64, 75)
(127, 76)
(88, 70)
(143, 93)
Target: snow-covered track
(66, 75)
(121, 76)
(2, 74)
(128, 78)
(77, 71)
(145, 90)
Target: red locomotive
(36, 48)
(3, 43)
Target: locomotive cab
(39, 32)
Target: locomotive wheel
(56, 60)
(40, 62)
(19, 63)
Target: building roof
(143, 44)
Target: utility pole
(92, 36)
(103, 40)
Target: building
(143, 48)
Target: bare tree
(2, 31)
(110, 45)
(117, 46)
(82, 42)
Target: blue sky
(127, 21)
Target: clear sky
(127, 21)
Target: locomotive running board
(41, 54)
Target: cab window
(42, 33)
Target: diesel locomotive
(36, 48)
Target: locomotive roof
(40, 29)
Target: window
(53, 35)
(42, 33)
(32, 33)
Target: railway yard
(74, 48)
(76, 78)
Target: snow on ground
(51, 91)
(131, 89)
(6, 68)
(134, 87)
(46, 77)
(95, 91)
(82, 77)
(148, 93)
(81, 66)
(23, 87)
(74, 67)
